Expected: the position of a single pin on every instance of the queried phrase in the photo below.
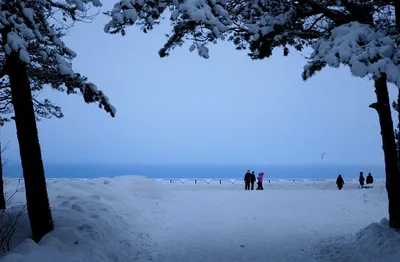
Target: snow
(364, 49)
(99, 220)
(98, 95)
(24, 56)
(130, 14)
(80, 4)
(133, 218)
(64, 67)
(29, 14)
(14, 43)
(203, 51)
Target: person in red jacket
(259, 181)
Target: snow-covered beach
(132, 218)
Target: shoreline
(206, 180)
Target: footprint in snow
(65, 203)
(73, 198)
(77, 208)
(97, 197)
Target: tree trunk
(2, 198)
(382, 106)
(397, 131)
(35, 183)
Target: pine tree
(362, 35)
(35, 56)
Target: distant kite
(322, 156)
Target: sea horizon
(306, 171)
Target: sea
(202, 171)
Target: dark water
(203, 171)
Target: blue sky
(187, 110)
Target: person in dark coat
(339, 182)
(369, 179)
(361, 179)
(252, 180)
(247, 180)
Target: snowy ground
(136, 219)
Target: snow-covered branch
(364, 49)
(25, 28)
(355, 33)
(265, 24)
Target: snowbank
(377, 242)
(374, 243)
(96, 220)
(133, 218)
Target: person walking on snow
(252, 180)
(339, 182)
(369, 179)
(259, 181)
(247, 179)
(361, 179)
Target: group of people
(250, 179)
(369, 180)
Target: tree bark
(35, 183)
(397, 132)
(382, 106)
(2, 198)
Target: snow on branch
(254, 24)
(90, 93)
(129, 12)
(31, 29)
(365, 50)
(203, 21)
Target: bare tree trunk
(35, 183)
(2, 197)
(396, 106)
(382, 106)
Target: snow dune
(132, 218)
(97, 220)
